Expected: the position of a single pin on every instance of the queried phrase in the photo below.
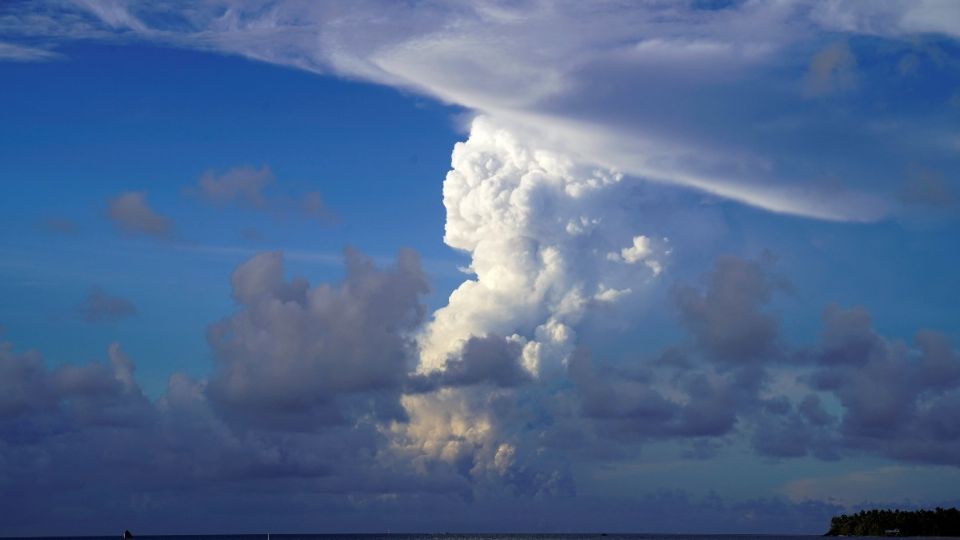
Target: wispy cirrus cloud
(11, 52)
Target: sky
(684, 267)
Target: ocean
(443, 536)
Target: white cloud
(114, 13)
(537, 226)
(895, 18)
(640, 251)
(509, 204)
(20, 53)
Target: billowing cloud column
(540, 231)
(548, 240)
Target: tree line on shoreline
(938, 522)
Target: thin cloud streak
(10, 52)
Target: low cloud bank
(316, 394)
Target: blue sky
(362, 266)
(76, 138)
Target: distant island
(939, 522)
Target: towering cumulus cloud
(544, 246)
(547, 242)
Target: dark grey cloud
(99, 306)
(726, 315)
(796, 430)
(896, 398)
(605, 397)
(131, 213)
(81, 445)
(811, 409)
(704, 393)
(855, 391)
(699, 405)
(300, 356)
(23, 386)
(250, 187)
(867, 394)
(490, 360)
(302, 417)
(39, 403)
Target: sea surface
(439, 536)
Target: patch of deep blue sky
(107, 119)
(875, 124)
